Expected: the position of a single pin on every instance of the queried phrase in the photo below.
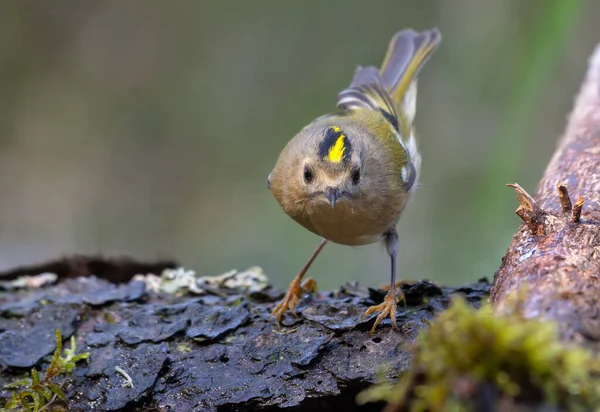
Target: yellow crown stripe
(336, 153)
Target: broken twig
(576, 216)
(565, 199)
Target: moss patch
(38, 392)
(474, 357)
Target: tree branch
(556, 253)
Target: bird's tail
(407, 54)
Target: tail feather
(399, 52)
(407, 54)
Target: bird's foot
(385, 309)
(292, 298)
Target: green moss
(183, 348)
(466, 351)
(111, 317)
(37, 393)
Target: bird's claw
(385, 309)
(292, 299)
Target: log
(556, 253)
(190, 343)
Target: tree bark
(207, 345)
(556, 253)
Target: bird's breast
(350, 222)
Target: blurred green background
(149, 127)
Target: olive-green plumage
(347, 177)
(366, 209)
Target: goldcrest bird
(347, 177)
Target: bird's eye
(356, 176)
(308, 176)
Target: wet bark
(204, 344)
(556, 253)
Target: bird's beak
(333, 194)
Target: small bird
(347, 177)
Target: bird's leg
(297, 288)
(388, 307)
